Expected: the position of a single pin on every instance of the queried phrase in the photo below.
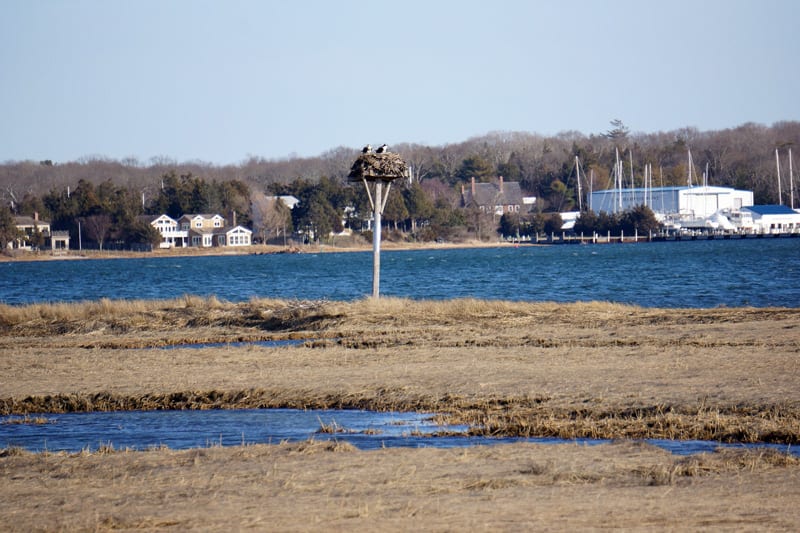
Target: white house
(205, 230)
(238, 236)
(171, 234)
(774, 219)
(201, 221)
(199, 230)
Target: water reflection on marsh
(238, 344)
(366, 430)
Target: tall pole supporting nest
(377, 169)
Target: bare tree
(97, 227)
(270, 215)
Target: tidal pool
(141, 430)
(237, 344)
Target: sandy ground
(575, 369)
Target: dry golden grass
(315, 485)
(507, 368)
(584, 369)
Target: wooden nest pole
(375, 170)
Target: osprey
(382, 150)
(367, 149)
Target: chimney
(473, 185)
(36, 216)
(501, 184)
(234, 219)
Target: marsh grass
(14, 451)
(198, 310)
(28, 420)
(617, 485)
(311, 446)
(379, 315)
(332, 428)
(722, 461)
(503, 368)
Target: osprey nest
(385, 167)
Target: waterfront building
(673, 202)
(774, 219)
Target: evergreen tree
(8, 228)
(476, 167)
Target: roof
(208, 231)
(239, 229)
(29, 221)
(206, 216)
(697, 189)
(492, 195)
(771, 210)
(152, 218)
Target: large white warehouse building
(688, 202)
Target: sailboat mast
(778, 165)
(617, 181)
(580, 192)
(633, 182)
(791, 181)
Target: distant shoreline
(388, 246)
(251, 250)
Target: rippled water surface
(192, 429)
(755, 272)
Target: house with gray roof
(497, 198)
(31, 228)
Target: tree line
(108, 195)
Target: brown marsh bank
(583, 369)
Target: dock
(625, 239)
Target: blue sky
(223, 81)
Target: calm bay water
(757, 272)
